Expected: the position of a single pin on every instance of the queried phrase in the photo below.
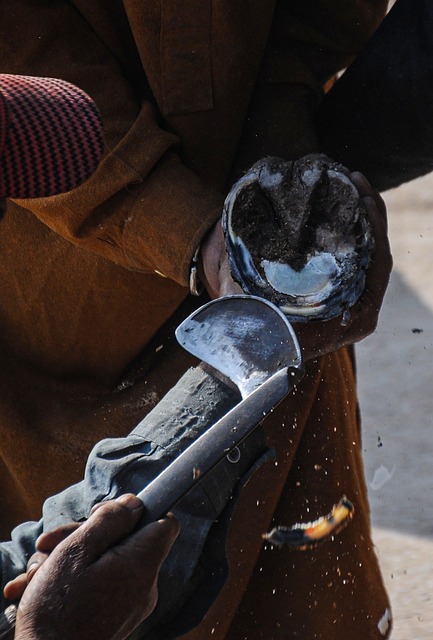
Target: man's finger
(49, 540)
(141, 555)
(153, 542)
(366, 190)
(106, 527)
(14, 589)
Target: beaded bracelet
(195, 286)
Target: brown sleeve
(310, 42)
(142, 209)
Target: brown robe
(191, 94)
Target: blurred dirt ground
(395, 368)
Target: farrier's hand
(317, 338)
(100, 582)
(214, 270)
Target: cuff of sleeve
(170, 218)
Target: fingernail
(130, 501)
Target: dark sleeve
(309, 43)
(377, 117)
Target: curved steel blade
(244, 337)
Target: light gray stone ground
(396, 394)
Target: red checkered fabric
(51, 136)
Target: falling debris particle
(345, 319)
(415, 330)
(196, 473)
(379, 442)
(311, 534)
(384, 623)
(381, 477)
(161, 346)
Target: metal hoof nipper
(251, 342)
(248, 340)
